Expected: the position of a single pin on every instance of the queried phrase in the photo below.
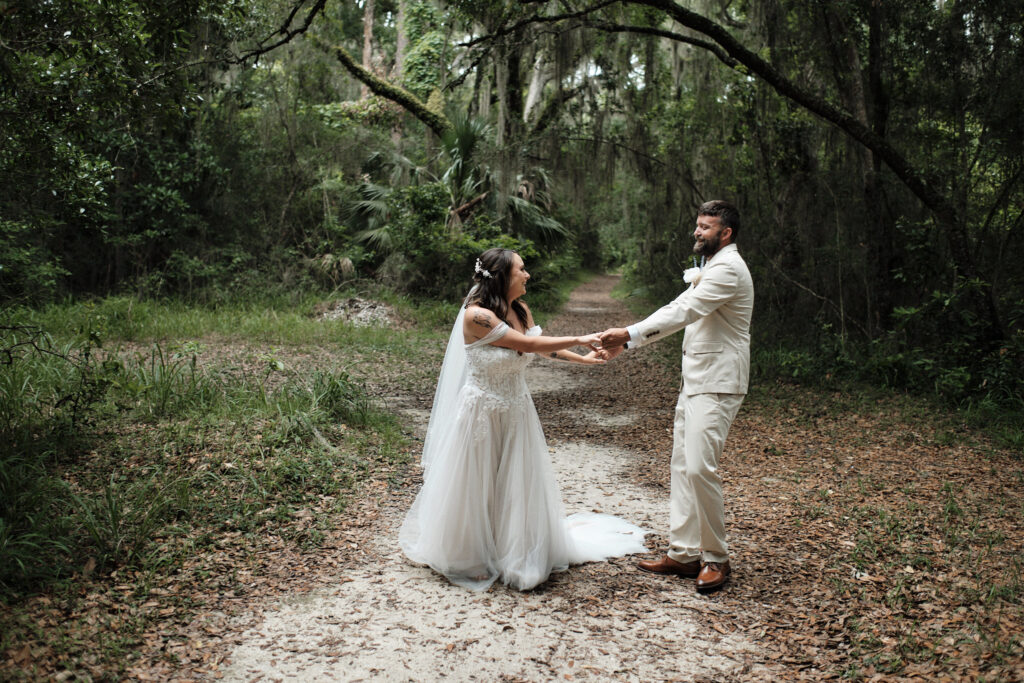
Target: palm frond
(373, 191)
(379, 238)
(528, 218)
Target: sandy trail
(391, 620)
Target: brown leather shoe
(666, 565)
(712, 576)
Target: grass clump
(98, 448)
(137, 441)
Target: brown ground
(871, 539)
(868, 539)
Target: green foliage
(47, 393)
(422, 18)
(424, 256)
(340, 398)
(93, 69)
(27, 268)
(372, 111)
(121, 520)
(60, 400)
(420, 73)
(464, 177)
(954, 368)
(422, 68)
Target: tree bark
(514, 89)
(401, 42)
(401, 46)
(367, 44)
(876, 104)
(539, 77)
(850, 78)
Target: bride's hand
(591, 341)
(610, 353)
(593, 358)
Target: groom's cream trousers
(697, 516)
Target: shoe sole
(657, 573)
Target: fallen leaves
(863, 548)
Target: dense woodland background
(185, 184)
(212, 149)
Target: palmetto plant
(465, 178)
(369, 215)
(469, 183)
(528, 209)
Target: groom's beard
(708, 246)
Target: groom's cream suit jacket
(716, 313)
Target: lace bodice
(496, 372)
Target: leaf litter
(870, 541)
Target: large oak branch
(945, 212)
(437, 122)
(817, 105)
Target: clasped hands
(609, 343)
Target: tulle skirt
(490, 508)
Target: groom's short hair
(727, 214)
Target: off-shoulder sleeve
(492, 336)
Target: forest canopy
(213, 148)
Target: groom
(715, 311)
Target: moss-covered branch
(436, 121)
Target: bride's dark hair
(490, 292)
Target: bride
(490, 508)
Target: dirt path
(389, 620)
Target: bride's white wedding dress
(490, 508)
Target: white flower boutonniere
(692, 275)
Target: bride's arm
(591, 358)
(479, 322)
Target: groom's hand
(613, 337)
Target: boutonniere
(692, 275)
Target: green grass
(276, 320)
(133, 438)
(156, 409)
(136, 435)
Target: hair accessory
(481, 270)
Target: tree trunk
(514, 89)
(367, 44)
(870, 111)
(401, 42)
(501, 89)
(882, 250)
(401, 46)
(539, 77)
